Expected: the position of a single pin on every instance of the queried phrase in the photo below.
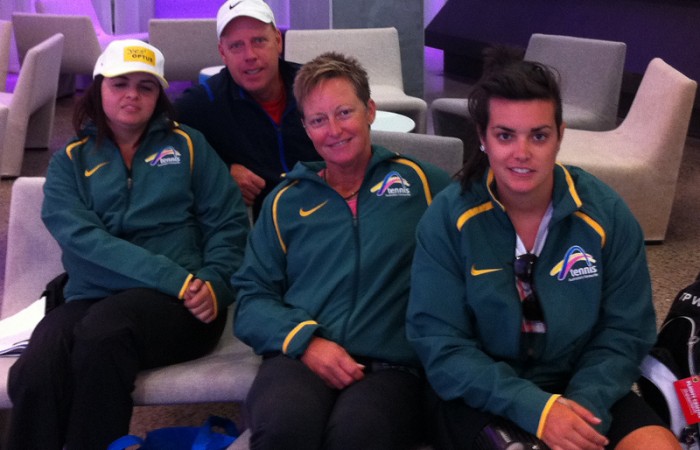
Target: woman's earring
(482, 148)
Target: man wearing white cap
(247, 111)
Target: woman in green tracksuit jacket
(314, 269)
(324, 284)
(151, 228)
(170, 218)
(530, 295)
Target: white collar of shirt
(539, 239)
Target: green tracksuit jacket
(592, 280)
(312, 269)
(175, 215)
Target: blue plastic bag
(183, 438)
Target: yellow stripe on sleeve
(473, 212)
(572, 186)
(545, 413)
(184, 287)
(593, 224)
(190, 146)
(213, 296)
(70, 147)
(294, 332)
(275, 220)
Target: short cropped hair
(325, 67)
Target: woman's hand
(569, 426)
(199, 301)
(332, 363)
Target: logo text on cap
(140, 54)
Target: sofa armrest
(33, 257)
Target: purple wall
(650, 28)
(186, 8)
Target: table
(391, 121)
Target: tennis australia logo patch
(576, 265)
(165, 157)
(393, 185)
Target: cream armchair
(32, 104)
(641, 158)
(84, 8)
(591, 76)
(34, 258)
(84, 36)
(590, 73)
(81, 48)
(184, 58)
(441, 151)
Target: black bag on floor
(502, 434)
(670, 371)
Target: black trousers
(72, 385)
(456, 425)
(290, 407)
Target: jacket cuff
(185, 285)
(545, 414)
(213, 298)
(302, 332)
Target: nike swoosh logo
(233, 5)
(308, 212)
(476, 272)
(91, 172)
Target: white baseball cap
(257, 9)
(129, 56)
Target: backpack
(674, 357)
